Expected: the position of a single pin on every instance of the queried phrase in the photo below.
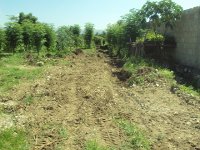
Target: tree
(13, 35)
(133, 23)
(88, 34)
(98, 40)
(115, 37)
(76, 31)
(29, 17)
(163, 12)
(50, 37)
(170, 12)
(28, 29)
(38, 36)
(2, 39)
(125, 31)
(64, 38)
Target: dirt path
(83, 98)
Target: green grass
(93, 145)
(11, 73)
(13, 139)
(10, 76)
(16, 59)
(136, 139)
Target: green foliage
(161, 12)
(26, 33)
(125, 31)
(133, 23)
(26, 17)
(121, 34)
(2, 39)
(13, 139)
(115, 37)
(28, 30)
(13, 35)
(50, 37)
(64, 38)
(98, 40)
(76, 31)
(38, 36)
(88, 34)
(136, 139)
(151, 36)
(170, 12)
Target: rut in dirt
(86, 96)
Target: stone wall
(187, 35)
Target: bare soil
(84, 98)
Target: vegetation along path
(81, 104)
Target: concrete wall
(187, 35)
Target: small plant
(13, 139)
(136, 139)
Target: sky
(69, 12)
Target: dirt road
(81, 99)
